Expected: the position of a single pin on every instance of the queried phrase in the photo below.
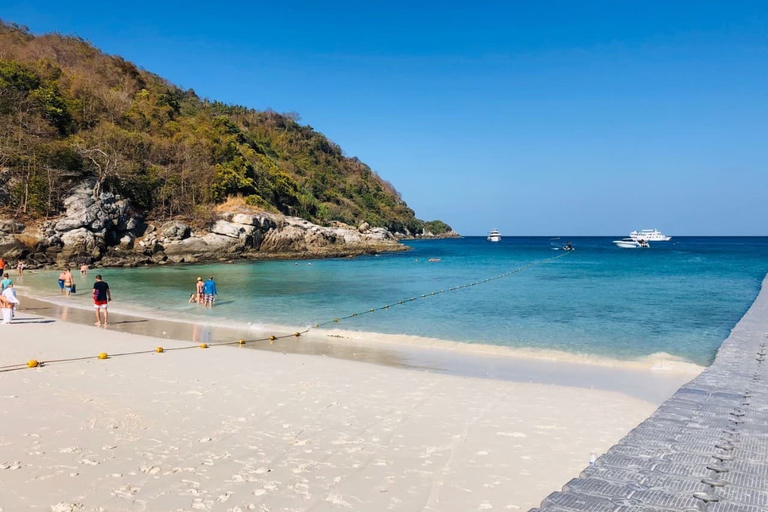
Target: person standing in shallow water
(69, 281)
(209, 292)
(101, 298)
(199, 290)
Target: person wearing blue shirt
(209, 292)
(6, 282)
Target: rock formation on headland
(96, 155)
(109, 231)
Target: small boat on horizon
(631, 243)
(494, 236)
(649, 235)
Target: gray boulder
(232, 229)
(175, 230)
(11, 226)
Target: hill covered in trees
(70, 112)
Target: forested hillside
(69, 111)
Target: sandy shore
(228, 428)
(653, 378)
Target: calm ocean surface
(680, 297)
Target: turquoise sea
(680, 297)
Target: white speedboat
(494, 236)
(649, 235)
(630, 243)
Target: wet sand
(646, 383)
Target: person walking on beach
(69, 281)
(7, 308)
(20, 268)
(101, 298)
(10, 295)
(6, 282)
(209, 292)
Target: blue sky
(535, 118)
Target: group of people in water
(100, 293)
(205, 292)
(19, 267)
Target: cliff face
(108, 231)
(69, 112)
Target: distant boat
(630, 243)
(494, 236)
(649, 235)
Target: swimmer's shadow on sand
(138, 321)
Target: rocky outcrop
(108, 231)
(263, 235)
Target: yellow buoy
(241, 342)
(297, 334)
(371, 310)
(103, 355)
(203, 345)
(32, 363)
(159, 350)
(354, 314)
(272, 338)
(335, 319)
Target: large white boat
(649, 235)
(631, 243)
(494, 236)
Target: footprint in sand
(89, 462)
(125, 491)
(511, 434)
(224, 497)
(151, 470)
(66, 507)
(12, 465)
(199, 504)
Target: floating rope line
(272, 338)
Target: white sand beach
(229, 429)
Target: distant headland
(104, 162)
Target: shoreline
(652, 379)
